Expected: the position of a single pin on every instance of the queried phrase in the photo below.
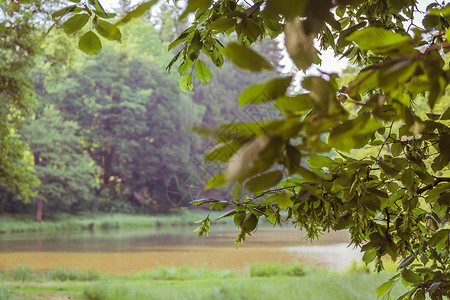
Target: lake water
(129, 251)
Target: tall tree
(18, 46)
(133, 118)
(66, 173)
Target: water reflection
(125, 251)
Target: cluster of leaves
(91, 13)
(394, 203)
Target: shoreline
(16, 224)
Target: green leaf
(396, 149)
(369, 255)
(396, 74)
(264, 181)
(408, 178)
(245, 58)
(438, 237)
(139, 11)
(260, 93)
(283, 200)
(185, 66)
(440, 162)
(372, 202)
(378, 193)
(420, 295)
(222, 24)
(90, 44)
(216, 181)
(250, 223)
(342, 136)
(75, 23)
(431, 22)
(104, 14)
(299, 45)
(250, 29)
(237, 191)
(182, 37)
(108, 30)
(322, 92)
(202, 71)
(438, 11)
(293, 158)
(388, 169)
(308, 175)
(320, 161)
(410, 276)
(185, 83)
(239, 218)
(63, 11)
(298, 104)
(381, 40)
(444, 145)
(384, 288)
(446, 114)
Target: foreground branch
(430, 186)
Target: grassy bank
(262, 281)
(26, 223)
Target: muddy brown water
(130, 251)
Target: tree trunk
(39, 205)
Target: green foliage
(22, 273)
(73, 275)
(18, 46)
(393, 202)
(273, 270)
(7, 294)
(67, 174)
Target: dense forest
(110, 133)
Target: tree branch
(430, 186)
(385, 63)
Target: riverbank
(65, 222)
(262, 281)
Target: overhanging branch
(430, 186)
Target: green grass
(26, 223)
(182, 273)
(318, 285)
(263, 281)
(6, 294)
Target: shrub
(21, 273)
(269, 270)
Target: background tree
(18, 39)
(66, 173)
